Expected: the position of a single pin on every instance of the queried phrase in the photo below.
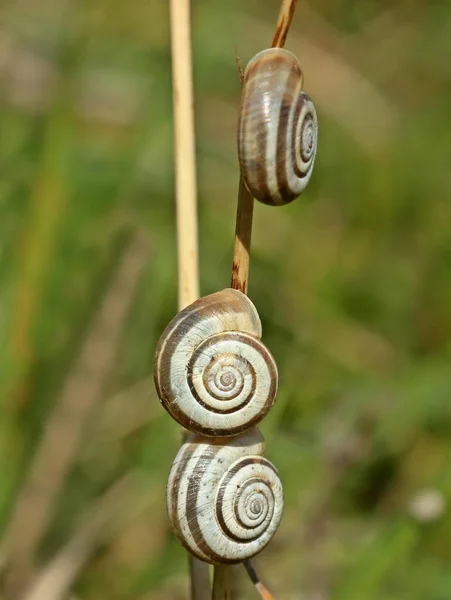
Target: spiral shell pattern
(212, 373)
(278, 128)
(225, 500)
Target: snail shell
(278, 128)
(225, 500)
(212, 373)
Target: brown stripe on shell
(239, 337)
(309, 119)
(257, 160)
(243, 488)
(202, 466)
(284, 152)
(252, 440)
(271, 59)
(173, 335)
(302, 100)
(299, 106)
(251, 460)
(256, 181)
(258, 417)
(183, 457)
(264, 66)
(268, 404)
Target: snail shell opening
(212, 373)
(225, 502)
(277, 129)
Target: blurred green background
(352, 282)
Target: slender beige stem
(243, 235)
(283, 23)
(185, 157)
(185, 167)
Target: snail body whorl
(278, 128)
(225, 500)
(212, 373)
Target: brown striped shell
(212, 373)
(225, 500)
(278, 128)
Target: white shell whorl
(212, 372)
(225, 500)
(278, 128)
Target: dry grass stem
(283, 23)
(185, 153)
(243, 236)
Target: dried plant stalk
(185, 153)
(283, 23)
(243, 236)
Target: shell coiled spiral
(278, 128)
(225, 500)
(212, 372)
